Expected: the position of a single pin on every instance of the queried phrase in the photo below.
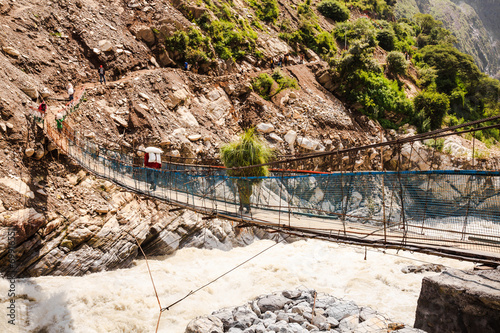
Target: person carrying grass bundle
(248, 150)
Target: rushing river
(124, 300)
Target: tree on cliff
(248, 150)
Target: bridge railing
(451, 209)
(441, 208)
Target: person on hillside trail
(42, 108)
(71, 91)
(40, 115)
(272, 63)
(285, 59)
(59, 121)
(102, 74)
(186, 65)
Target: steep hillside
(70, 222)
(338, 81)
(475, 24)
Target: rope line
(224, 274)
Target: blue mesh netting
(459, 207)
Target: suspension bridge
(452, 213)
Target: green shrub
(430, 109)
(377, 95)
(283, 81)
(305, 9)
(262, 85)
(437, 144)
(427, 76)
(178, 41)
(362, 29)
(196, 56)
(325, 43)
(396, 63)
(335, 10)
(359, 56)
(228, 39)
(386, 39)
(266, 10)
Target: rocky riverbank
(297, 311)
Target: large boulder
(11, 51)
(144, 33)
(31, 91)
(459, 301)
(105, 45)
(265, 128)
(25, 223)
(306, 143)
(210, 324)
(272, 303)
(165, 59)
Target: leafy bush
(192, 45)
(283, 81)
(451, 65)
(266, 10)
(228, 39)
(430, 109)
(377, 95)
(312, 36)
(178, 41)
(359, 56)
(437, 144)
(361, 29)
(334, 10)
(325, 43)
(386, 39)
(305, 9)
(396, 63)
(262, 85)
(427, 76)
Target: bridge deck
(390, 235)
(477, 244)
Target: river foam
(124, 300)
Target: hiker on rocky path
(71, 91)
(186, 65)
(40, 112)
(42, 108)
(59, 121)
(102, 74)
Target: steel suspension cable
(224, 274)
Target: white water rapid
(124, 300)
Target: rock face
(103, 233)
(473, 22)
(296, 311)
(458, 301)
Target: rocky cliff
(473, 22)
(68, 222)
(459, 301)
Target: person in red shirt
(42, 107)
(150, 174)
